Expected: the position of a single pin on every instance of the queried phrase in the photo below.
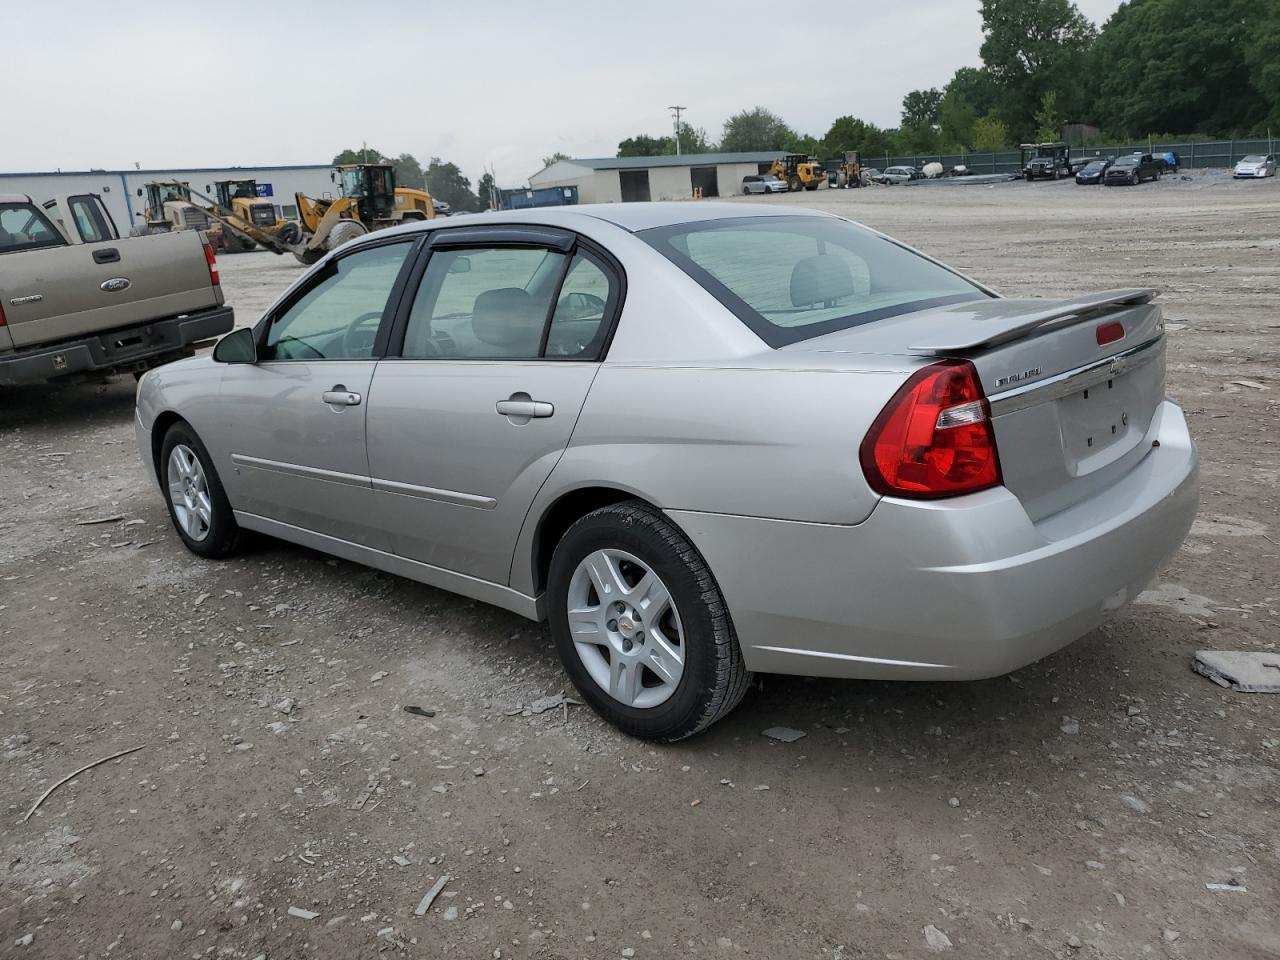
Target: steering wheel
(358, 343)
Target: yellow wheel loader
(240, 197)
(370, 201)
(798, 172)
(169, 207)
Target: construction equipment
(169, 207)
(1051, 160)
(798, 171)
(240, 197)
(370, 201)
(849, 170)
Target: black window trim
(514, 236)
(772, 334)
(58, 239)
(389, 309)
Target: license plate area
(1103, 421)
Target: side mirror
(238, 346)
(139, 191)
(460, 265)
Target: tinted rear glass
(793, 278)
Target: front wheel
(641, 626)
(197, 503)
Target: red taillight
(212, 261)
(3, 321)
(1109, 333)
(934, 438)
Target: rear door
(296, 417)
(500, 347)
(64, 291)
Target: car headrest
(510, 318)
(820, 279)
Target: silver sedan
(700, 440)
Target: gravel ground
(1076, 808)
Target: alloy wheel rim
(189, 492)
(625, 628)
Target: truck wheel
(641, 626)
(198, 505)
(794, 184)
(343, 231)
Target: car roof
(632, 216)
(14, 198)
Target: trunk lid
(1073, 384)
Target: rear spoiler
(988, 333)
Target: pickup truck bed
(77, 298)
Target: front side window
(792, 278)
(23, 227)
(337, 316)
(488, 303)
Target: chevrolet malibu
(700, 440)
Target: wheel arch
(159, 427)
(564, 512)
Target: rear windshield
(793, 278)
(23, 227)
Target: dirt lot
(1077, 808)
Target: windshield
(241, 188)
(793, 278)
(1095, 166)
(353, 183)
(1126, 162)
(1254, 158)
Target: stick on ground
(71, 776)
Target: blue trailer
(523, 199)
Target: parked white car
(894, 175)
(1255, 166)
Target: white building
(122, 190)
(614, 179)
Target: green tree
(753, 130)
(446, 182)
(359, 155)
(978, 87)
(1030, 47)
(1186, 65)
(694, 140)
(851, 133)
(1048, 123)
(989, 134)
(556, 158)
(920, 108)
(487, 191)
(643, 145)
(800, 143)
(408, 171)
(956, 117)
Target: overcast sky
(498, 84)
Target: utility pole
(675, 112)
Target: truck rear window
(792, 278)
(23, 227)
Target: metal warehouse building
(121, 190)
(613, 179)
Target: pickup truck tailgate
(62, 292)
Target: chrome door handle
(524, 408)
(340, 397)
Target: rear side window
(793, 278)
(23, 227)
(89, 220)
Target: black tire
(224, 536)
(714, 679)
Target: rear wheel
(198, 505)
(794, 184)
(641, 626)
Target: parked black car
(1132, 170)
(1091, 172)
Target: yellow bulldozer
(798, 172)
(240, 198)
(849, 170)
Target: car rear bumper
(126, 349)
(948, 590)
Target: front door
(500, 348)
(297, 416)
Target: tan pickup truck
(77, 298)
